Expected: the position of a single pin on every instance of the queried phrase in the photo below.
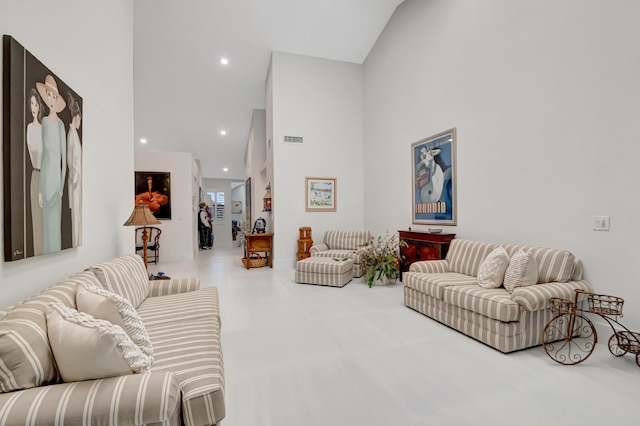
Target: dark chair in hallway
(153, 244)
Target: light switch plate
(600, 223)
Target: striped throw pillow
(105, 305)
(25, 357)
(86, 348)
(126, 276)
(522, 271)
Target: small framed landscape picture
(433, 162)
(320, 194)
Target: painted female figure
(74, 182)
(34, 146)
(54, 165)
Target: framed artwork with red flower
(154, 189)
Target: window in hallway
(218, 205)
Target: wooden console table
(259, 243)
(422, 246)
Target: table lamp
(142, 216)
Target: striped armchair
(185, 385)
(508, 319)
(342, 244)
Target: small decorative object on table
(380, 259)
(160, 276)
(260, 226)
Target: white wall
(177, 239)
(321, 101)
(544, 96)
(90, 46)
(256, 164)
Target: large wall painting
(42, 162)
(434, 179)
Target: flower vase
(384, 281)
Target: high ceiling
(184, 97)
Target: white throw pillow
(522, 271)
(86, 348)
(492, 268)
(103, 304)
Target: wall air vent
(293, 139)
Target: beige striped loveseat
(342, 244)
(184, 384)
(448, 291)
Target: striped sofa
(185, 384)
(342, 244)
(447, 291)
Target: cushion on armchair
(346, 240)
(316, 248)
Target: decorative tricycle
(570, 337)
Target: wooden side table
(422, 246)
(259, 243)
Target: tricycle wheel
(569, 338)
(614, 346)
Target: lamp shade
(141, 216)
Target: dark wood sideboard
(422, 246)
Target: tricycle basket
(629, 341)
(561, 306)
(603, 304)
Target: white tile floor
(298, 355)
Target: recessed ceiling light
(223, 132)
(143, 140)
(224, 61)
(225, 169)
